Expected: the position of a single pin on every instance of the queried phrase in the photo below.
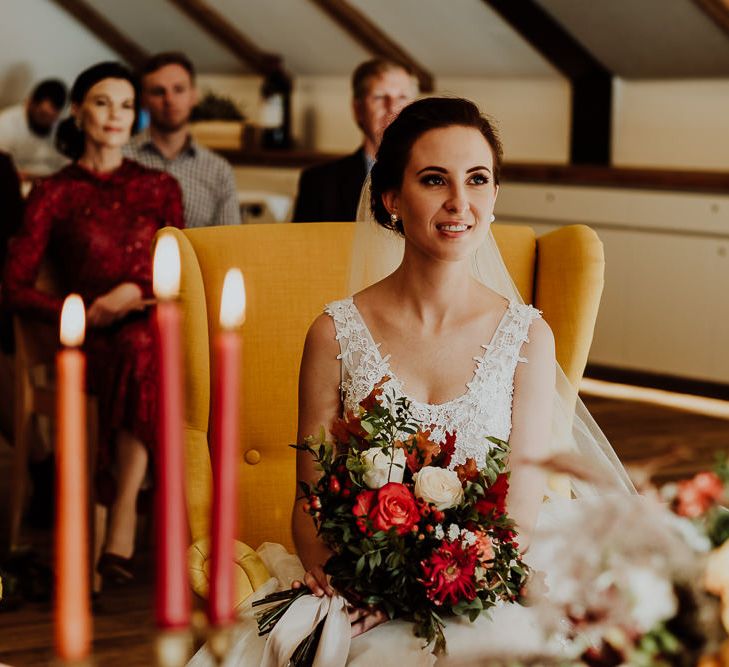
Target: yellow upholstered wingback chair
(291, 271)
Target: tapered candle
(227, 354)
(172, 600)
(72, 605)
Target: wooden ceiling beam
(368, 35)
(216, 25)
(105, 31)
(717, 11)
(590, 136)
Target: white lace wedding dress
(484, 409)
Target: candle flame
(166, 271)
(73, 321)
(233, 300)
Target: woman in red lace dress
(94, 221)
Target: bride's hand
(363, 619)
(316, 581)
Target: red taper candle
(72, 602)
(172, 600)
(227, 356)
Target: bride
(468, 358)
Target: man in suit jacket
(330, 192)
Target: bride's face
(448, 193)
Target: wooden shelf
(617, 177)
(552, 174)
(283, 158)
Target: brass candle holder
(173, 648)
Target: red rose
(362, 506)
(449, 573)
(495, 498)
(396, 508)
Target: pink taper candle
(72, 605)
(172, 601)
(227, 355)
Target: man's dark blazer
(11, 216)
(330, 192)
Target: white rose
(438, 486)
(383, 467)
(652, 596)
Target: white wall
(667, 267)
(672, 124)
(532, 114)
(39, 40)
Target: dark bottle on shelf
(276, 110)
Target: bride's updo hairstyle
(70, 138)
(411, 123)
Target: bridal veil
(377, 252)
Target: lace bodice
(485, 407)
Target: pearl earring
(393, 218)
(493, 217)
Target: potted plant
(218, 123)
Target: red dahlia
(449, 574)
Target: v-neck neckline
(385, 361)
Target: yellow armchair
(291, 272)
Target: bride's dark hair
(413, 121)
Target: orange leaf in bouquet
(370, 401)
(420, 450)
(468, 471)
(348, 427)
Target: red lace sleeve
(26, 252)
(173, 205)
(165, 190)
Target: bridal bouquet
(408, 534)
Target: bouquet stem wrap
(301, 621)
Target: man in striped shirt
(208, 186)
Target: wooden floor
(123, 624)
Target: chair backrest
(291, 271)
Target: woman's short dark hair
(70, 139)
(413, 121)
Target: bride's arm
(531, 425)
(319, 405)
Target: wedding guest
(330, 192)
(208, 185)
(11, 215)
(26, 130)
(95, 221)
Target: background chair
(291, 271)
(36, 344)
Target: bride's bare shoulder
(322, 333)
